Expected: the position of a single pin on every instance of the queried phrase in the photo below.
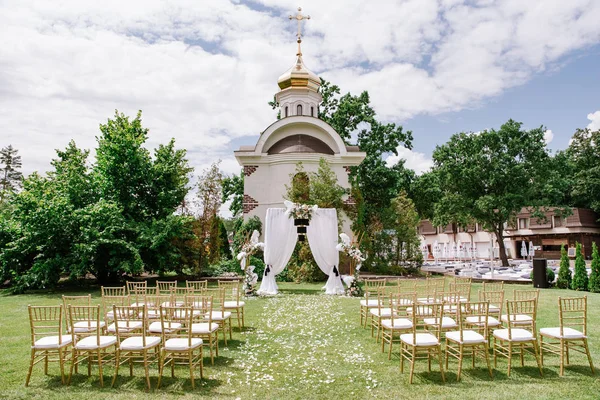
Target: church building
(298, 136)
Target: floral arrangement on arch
(249, 248)
(299, 211)
(353, 283)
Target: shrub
(580, 278)
(564, 272)
(594, 284)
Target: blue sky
(202, 72)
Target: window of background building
(557, 221)
(523, 223)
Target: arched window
(312, 111)
(286, 111)
(299, 109)
(300, 188)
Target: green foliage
(233, 189)
(112, 218)
(549, 276)
(584, 154)
(325, 191)
(232, 266)
(299, 189)
(243, 230)
(580, 277)
(225, 250)
(594, 284)
(425, 191)
(302, 266)
(490, 176)
(564, 272)
(10, 176)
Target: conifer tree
(564, 272)
(580, 278)
(594, 285)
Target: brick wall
(250, 169)
(249, 204)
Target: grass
(302, 345)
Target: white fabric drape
(280, 240)
(322, 234)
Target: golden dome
(299, 77)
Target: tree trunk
(501, 247)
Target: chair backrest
(493, 286)
(573, 313)
(197, 286)
(527, 294)
(233, 290)
(113, 291)
(383, 298)
(137, 287)
(495, 298)
(218, 298)
(401, 302)
(109, 301)
(462, 279)
(154, 303)
(462, 288)
(46, 321)
(87, 319)
(451, 299)
(170, 315)
(373, 284)
(406, 285)
(436, 285)
(477, 313)
(84, 300)
(178, 295)
(202, 306)
(520, 308)
(434, 313)
(127, 322)
(164, 287)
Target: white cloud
(412, 160)
(548, 136)
(594, 125)
(202, 72)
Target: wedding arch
(280, 241)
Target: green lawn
(302, 345)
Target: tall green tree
(490, 176)
(594, 284)
(564, 271)
(580, 276)
(407, 251)
(584, 154)
(233, 189)
(10, 175)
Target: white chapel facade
(298, 136)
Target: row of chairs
(416, 320)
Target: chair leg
(117, 362)
(537, 359)
(510, 350)
(191, 369)
(146, 370)
(73, 363)
(30, 367)
(587, 352)
(487, 360)
(401, 357)
(99, 354)
(161, 365)
(439, 351)
(61, 361)
(460, 361)
(46, 364)
(567, 351)
(412, 365)
(562, 357)
(201, 363)
(542, 349)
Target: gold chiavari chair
(219, 314)
(522, 319)
(203, 326)
(80, 327)
(48, 342)
(133, 343)
(179, 345)
(89, 344)
(233, 303)
(137, 287)
(400, 322)
(571, 334)
(382, 311)
(495, 302)
(463, 289)
(197, 287)
(420, 343)
(164, 287)
(113, 291)
(469, 341)
(370, 288)
(515, 340)
(178, 295)
(461, 279)
(107, 305)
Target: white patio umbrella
(436, 251)
(531, 250)
(523, 249)
(425, 251)
(445, 251)
(453, 250)
(459, 250)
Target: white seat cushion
(518, 319)
(85, 326)
(493, 309)
(219, 315)
(447, 322)
(469, 337)
(398, 324)
(182, 344)
(170, 327)
(151, 314)
(381, 312)
(518, 335)
(423, 339)
(204, 327)
(51, 342)
(182, 314)
(140, 304)
(90, 342)
(137, 343)
(233, 304)
(125, 326)
(370, 303)
(478, 320)
(568, 333)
